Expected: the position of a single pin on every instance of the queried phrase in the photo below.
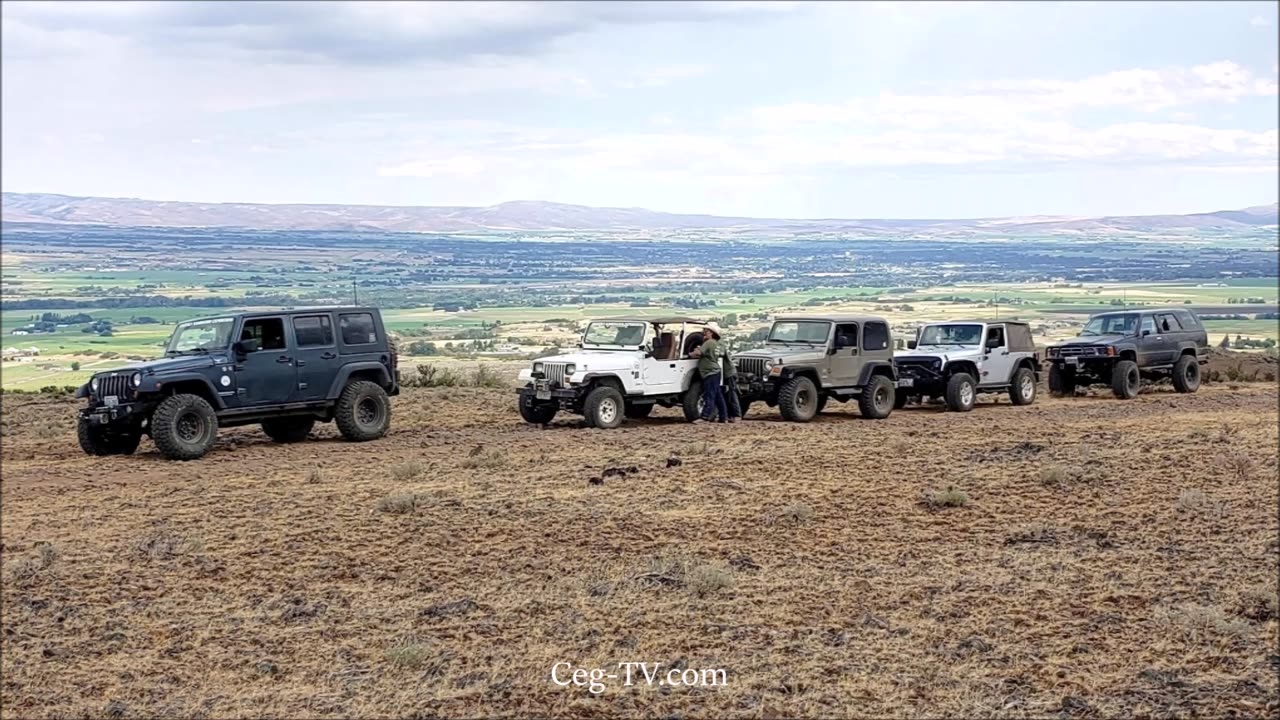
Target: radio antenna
(355, 293)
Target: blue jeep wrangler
(285, 370)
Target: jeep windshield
(629, 335)
(1110, 325)
(951, 335)
(200, 336)
(811, 332)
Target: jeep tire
(1186, 374)
(877, 399)
(637, 411)
(603, 408)
(363, 412)
(288, 429)
(961, 393)
(1125, 379)
(1061, 382)
(691, 403)
(798, 399)
(538, 413)
(184, 427)
(98, 441)
(1022, 390)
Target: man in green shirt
(709, 369)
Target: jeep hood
(172, 364)
(1092, 340)
(946, 352)
(595, 359)
(788, 353)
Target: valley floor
(1097, 557)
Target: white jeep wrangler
(624, 367)
(957, 360)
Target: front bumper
(106, 415)
(920, 379)
(543, 391)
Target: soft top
(657, 320)
(830, 318)
(975, 322)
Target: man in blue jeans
(708, 354)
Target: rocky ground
(1078, 557)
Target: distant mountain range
(542, 216)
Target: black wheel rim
(802, 399)
(1192, 372)
(882, 396)
(190, 427)
(367, 411)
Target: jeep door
(1149, 344)
(844, 360)
(315, 355)
(997, 363)
(1168, 333)
(266, 376)
(665, 374)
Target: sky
(764, 109)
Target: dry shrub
(682, 571)
(1055, 475)
(315, 476)
(410, 654)
(793, 514)
(401, 503)
(1197, 502)
(486, 377)
(950, 497)
(28, 570)
(1240, 464)
(164, 545)
(486, 458)
(407, 470)
(1204, 623)
(1259, 603)
(692, 449)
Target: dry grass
(248, 585)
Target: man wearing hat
(708, 354)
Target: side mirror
(244, 347)
(993, 343)
(1146, 333)
(911, 344)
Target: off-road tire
(639, 412)
(603, 408)
(184, 427)
(1061, 382)
(962, 393)
(798, 399)
(1186, 374)
(536, 412)
(691, 403)
(877, 399)
(1125, 379)
(288, 430)
(1022, 390)
(744, 406)
(822, 403)
(363, 411)
(97, 441)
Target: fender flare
(872, 367)
(1030, 363)
(791, 371)
(345, 372)
(161, 383)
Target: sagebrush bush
(407, 470)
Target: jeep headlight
(93, 384)
(570, 369)
(136, 379)
(537, 367)
(1053, 352)
(768, 365)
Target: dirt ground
(1080, 557)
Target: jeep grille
(117, 384)
(554, 372)
(751, 366)
(1078, 351)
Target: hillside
(1108, 559)
(532, 216)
